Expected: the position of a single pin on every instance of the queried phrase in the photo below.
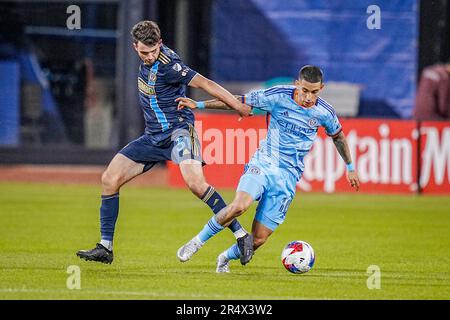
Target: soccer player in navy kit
(169, 135)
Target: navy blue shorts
(182, 144)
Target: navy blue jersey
(159, 85)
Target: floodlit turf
(42, 226)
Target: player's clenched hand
(353, 179)
(245, 111)
(186, 102)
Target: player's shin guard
(233, 253)
(108, 215)
(215, 201)
(210, 229)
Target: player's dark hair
(311, 74)
(146, 32)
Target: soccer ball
(298, 257)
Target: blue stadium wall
(257, 40)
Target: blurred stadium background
(69, 101)
(69, 96)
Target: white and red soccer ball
(298, 257)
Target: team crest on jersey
(313, 122)
(152, 77)
(254, 170)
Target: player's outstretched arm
(342, 147)
(220, 93)
(184, 102)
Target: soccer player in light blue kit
(271, 176)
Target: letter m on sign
(435, 157)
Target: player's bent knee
(243, 200)
(237, 208)
(110, 181)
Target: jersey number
(285, 205)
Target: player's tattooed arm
(342, 147)
(209, 104)
(217, 91)
(217, 104)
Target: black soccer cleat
(99, 254)
(245, 245)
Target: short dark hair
(146, 32)
(311, 74)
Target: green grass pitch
(42, 226)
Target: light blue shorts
(273, 187)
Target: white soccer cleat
(187, 251)
(223, 264)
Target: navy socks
(108, 215)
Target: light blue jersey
(271, 175)
(292, 128)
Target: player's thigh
(186, 146)
(192, 173)
(253, 182)
(273, 206)
(122, 169)
(186, 153)
(191, 170)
